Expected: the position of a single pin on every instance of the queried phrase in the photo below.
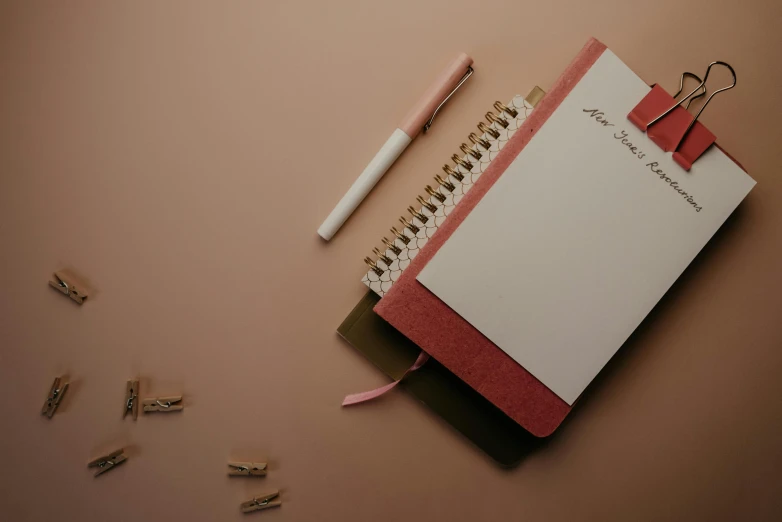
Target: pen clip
(464, 79)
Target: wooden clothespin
(163, 404)
(108, 462)
(247, 469)
(131, 404)
(68, 284)
(262, 502)
(55, 396)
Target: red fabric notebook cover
(441, 332)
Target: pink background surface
(152, 147)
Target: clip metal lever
(267, 501)
(163, 404)
(467, 74)
(702, 85)
(671, 127)
(697, 78)
(53, 399)
(131, 404)
(247, 469)
(108, 462)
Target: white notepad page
(580, 237)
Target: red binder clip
(674, 128)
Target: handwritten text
(622, 137)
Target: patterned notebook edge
(455, 183)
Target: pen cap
(413, 123)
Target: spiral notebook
(568, 241)
(414, 231)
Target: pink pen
(418, 119)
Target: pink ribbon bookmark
(358, 398)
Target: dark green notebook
(462, 407)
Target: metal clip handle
(681, 88)
(428, 123)
(700, 86)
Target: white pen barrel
(385, 157)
